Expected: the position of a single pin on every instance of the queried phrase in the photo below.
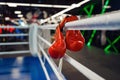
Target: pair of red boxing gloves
(73, 41)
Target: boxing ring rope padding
(33, 40)
(65, 10)
(6, 35)
(43, 66)
(52, 64)
(81, 68)
(109, 21)
(14, 52)
(14, 43)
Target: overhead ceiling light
(20, 15)
(33, 5)
(7, 18)
(23, 4)
(17, 12)
(47, 5)
(2, 3)
(12, 4)
(60, 6)
(41, 5)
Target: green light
(104, 8)
(111, 44)
(89, 13)
(91, 38)
(91, 9)
(88, 44)
(93, 34)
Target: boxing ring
(41, 65)
(39, 41)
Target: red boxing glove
(58, 48)
(74, 40)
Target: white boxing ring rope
(14, 43)
(109, 21)
(50, 61)
(3, 35)
(43, 66)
